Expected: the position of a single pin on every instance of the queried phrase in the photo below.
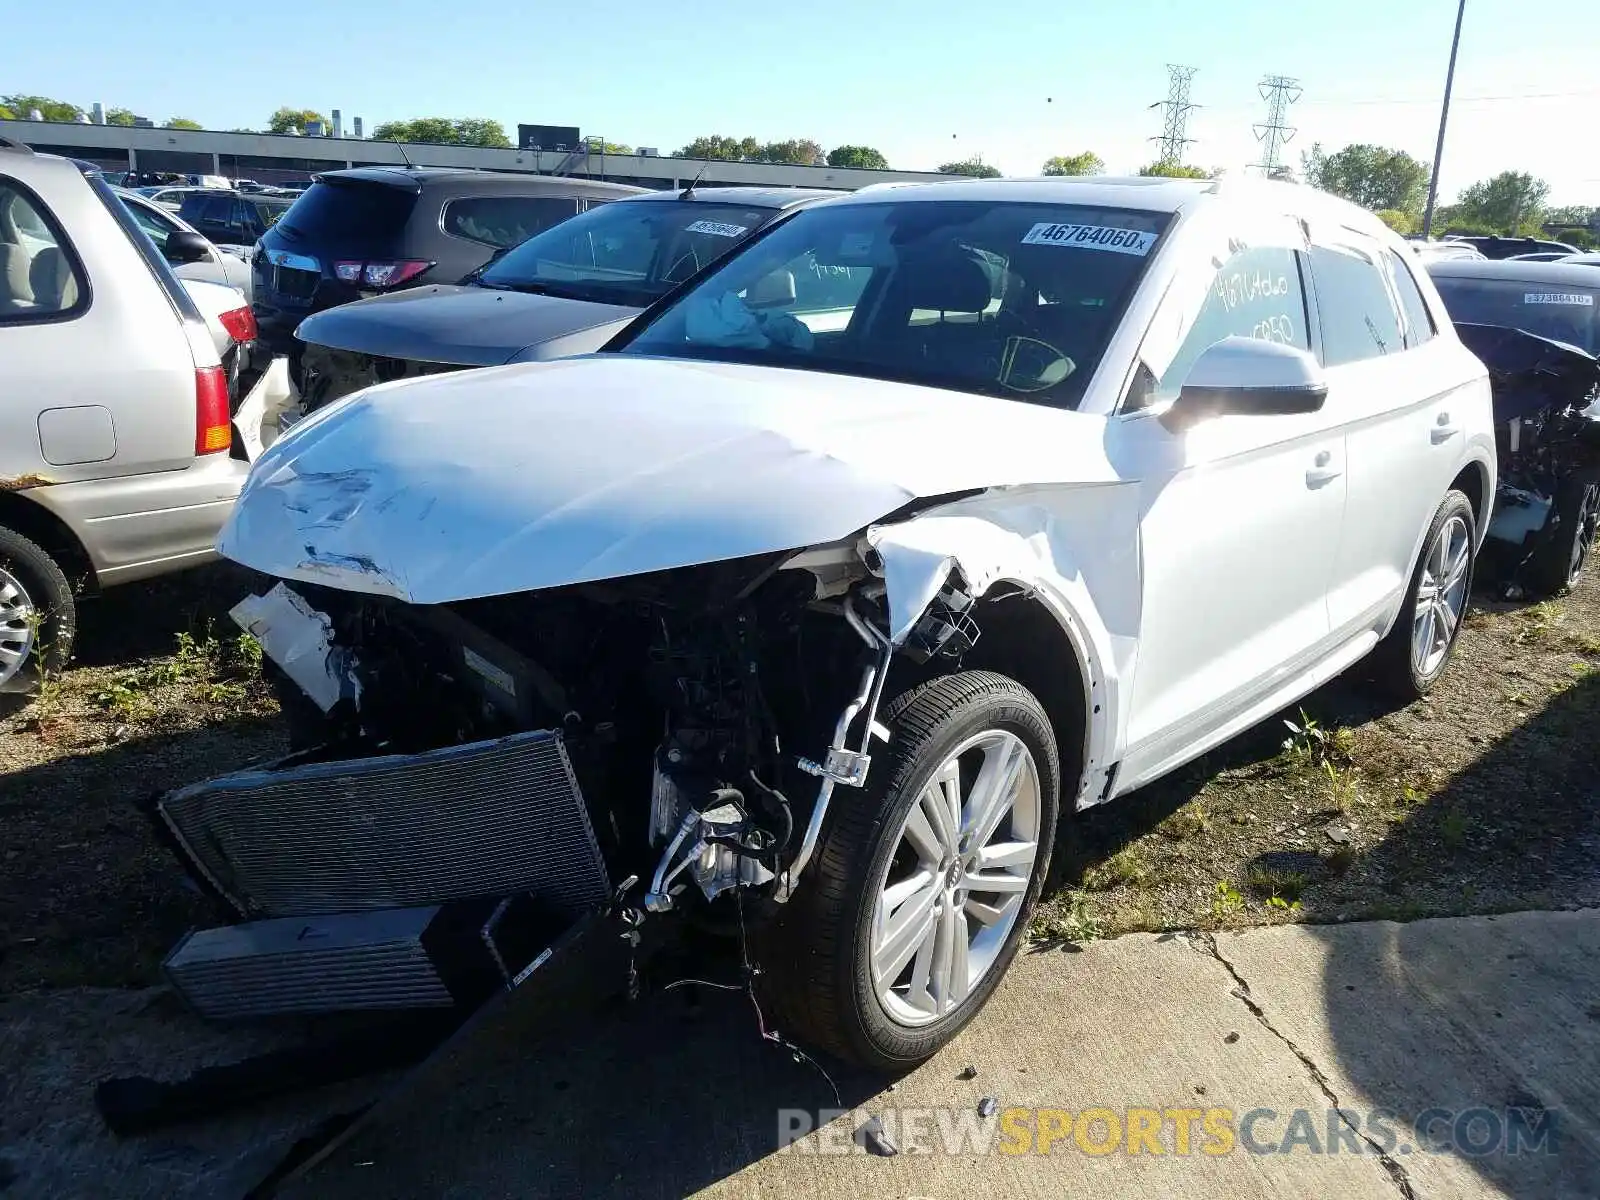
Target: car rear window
(350, 215)
(1564, 312)
(631, 253)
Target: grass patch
(1125, 868)
(1283, 886)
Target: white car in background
(191, 255)
(1072, 480)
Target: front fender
(1073, 549)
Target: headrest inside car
(946, 282)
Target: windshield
(350, 216)
(1563, 312)
(1006, 299)
(629, 252)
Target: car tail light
(240, 324)
(213, 429)
(392, 274)
(386, 273)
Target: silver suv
(115, 433)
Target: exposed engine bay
(1548, 447)
(538, 750)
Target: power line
(1279, 91)
(1175, 116)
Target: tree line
(1390, 182)
(20, 107)
(1394, 185)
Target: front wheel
(922, 888)
(1412, 658)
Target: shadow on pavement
(1502, 1015)
(87, 896)
(657, 1099)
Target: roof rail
(12, 144)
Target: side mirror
(186, 247)
(1241, 376)
(771, 291)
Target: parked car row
(792, 563)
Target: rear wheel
(1411, 659)
(1559, 563)
(922, 888)
(38, 617)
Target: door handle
(1321, 472)
(1442, 430)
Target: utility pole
(1279, 91)
(1175, 117)
(1444, 116)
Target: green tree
(1375, 177)
(615, 148)
(1175, 171)
(1087, 163)
(1402, 223)
(863, 158)
(120, 116)
(1511, 202)
(444, 131)
(181, 123)
(1570, 214)
(1581, 238)
(6, 114)
(722, 149)
(50, 110)
(974, 167)
(801, 152)
(286, 119)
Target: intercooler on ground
(495, 818)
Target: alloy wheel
(18, 625)
(1441, 596)
(957, 879)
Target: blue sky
(924, 81)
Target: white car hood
(510, 479)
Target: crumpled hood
(450, 487)
(465, 326)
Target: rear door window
(40, 278)
(1419, 323)
(1357, 312)
(503, 221)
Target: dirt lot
(1480, 799)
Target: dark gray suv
(371, 230)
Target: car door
(1391, 381)
(157, 225)
(1241, 518)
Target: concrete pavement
(1248, 1065)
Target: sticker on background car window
(717, 228)
(1583, 299)
(1090, 237)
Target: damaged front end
(472, 777)
(1547, 434)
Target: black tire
(817, 979)
(1394, 668)
(1558, 564)
(27, 567)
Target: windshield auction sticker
(718, 229)
(1091, 237)
(1581, 299)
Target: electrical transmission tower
(1279, 91)
(1175, 116)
